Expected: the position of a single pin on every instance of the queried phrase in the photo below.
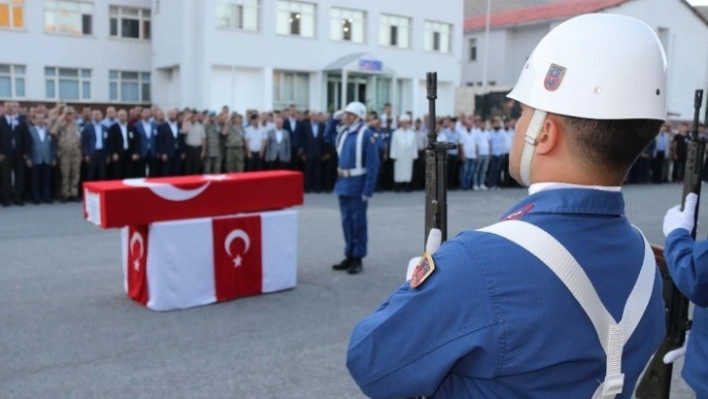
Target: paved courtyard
(68, 331)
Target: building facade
(268, 54)
(246, 54)
(513, 35)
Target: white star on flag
(237, 261)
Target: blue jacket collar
(586, 201)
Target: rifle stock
(656, 381)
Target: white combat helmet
(357, 109)
(594, 66)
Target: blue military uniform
(493, 321)
(687, 262)
(357, 171)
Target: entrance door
(356, 91)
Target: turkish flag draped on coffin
(238, 257)
(136, 267)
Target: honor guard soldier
(561, 298)
(687, 261)
(357, 171)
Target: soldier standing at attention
(357, 172)
(561, 298)
(68, 136)
(235, 145)
(216, 130)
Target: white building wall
(687, 50)
(36, 50)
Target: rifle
(435, 168)
(656, 381)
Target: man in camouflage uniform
(68, 136)
(216, 130)
(235, 146)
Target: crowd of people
(45, 154)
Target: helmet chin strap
(532, 132)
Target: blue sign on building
(370, 65)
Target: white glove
(364, 198)
(432, 245)
(676, 353)
(676, 219)
(338, 114)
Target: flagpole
(486, 47)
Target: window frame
(472, 44)
(430, 29)
(282, 102)
(56, 31)
(239, 26)
(385, 23)
(11, 6)
(14, 76)
(141, 80)
(141, 18)
(293, 6)
(80, 78)
(352, 23)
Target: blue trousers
(480, 170)
(468, 167)
(353, 211)
(494, 171)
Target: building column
(316, 102)
(394, 98)
(344, 88)
(417, 112)
(268, 87)
(374, 92)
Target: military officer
(357, 171)
(688, 265)
(216, 129)
(68, 136)
(235, 145)
(561, 298)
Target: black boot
(355, 267)
(343, 265)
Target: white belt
(351, 172)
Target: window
(473, 49)
(68, 83)
(68, 17)
(291, 88)
(237, 14)
(394, 31)
(126, 86)
(130, 23)
(349, 25)
(438, 36)
(12, 81)
(296, 18)
(12, 14)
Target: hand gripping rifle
(435, 168)
(656, 381)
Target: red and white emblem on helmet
(554, 77)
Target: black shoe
(355, 267)
(343, 265)
(20, 203)
(5, 204)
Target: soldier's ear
(548, 138)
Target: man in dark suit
(312, 150)
(294, 126)
(15, 151)
(123, 147)
(94, 147)
(170, 145)
(147, 137)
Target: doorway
(356, 91)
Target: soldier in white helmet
(560, 299)
(357, 170)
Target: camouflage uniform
(235, 149)
(214, 149)
(69, 154)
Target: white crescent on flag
(137, 238)
(167, 191)
(238, 233)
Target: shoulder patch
(425, 268)
(519, 213)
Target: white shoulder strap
(360, 146)
(612, 335)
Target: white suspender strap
(612, 335)
(360, 147)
